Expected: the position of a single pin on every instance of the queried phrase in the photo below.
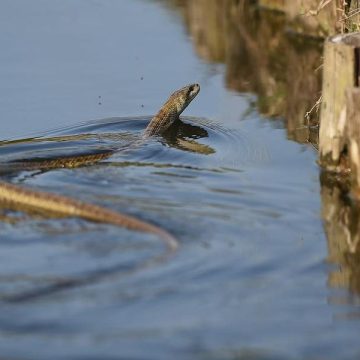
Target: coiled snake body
(20, 198)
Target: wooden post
(340, 73)
(353, 137)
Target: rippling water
(252, 277)
(249, 236)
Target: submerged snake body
(14, 196)
(21, 198)
(68, 162)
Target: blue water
(251, 278)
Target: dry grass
(315, 107)
(322, 5)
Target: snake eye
(193, 90)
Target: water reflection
(284, 70)
(342, 226)
(183, 136)
(261, 57)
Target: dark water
(251, 277)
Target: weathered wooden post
(353, 135)
(339, 142)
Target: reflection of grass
(273, 105)
(315, 108)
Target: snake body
(21, 198)
(171, 110)
(56, 163)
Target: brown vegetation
(261, 55)
(273, 48)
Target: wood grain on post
(340, 73)
(353, 136)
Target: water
(251, 278)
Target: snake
(33, 200)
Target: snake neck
(171, 110)
(162, 121)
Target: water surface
(251, 277)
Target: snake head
(183, 97)
(170, 111)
